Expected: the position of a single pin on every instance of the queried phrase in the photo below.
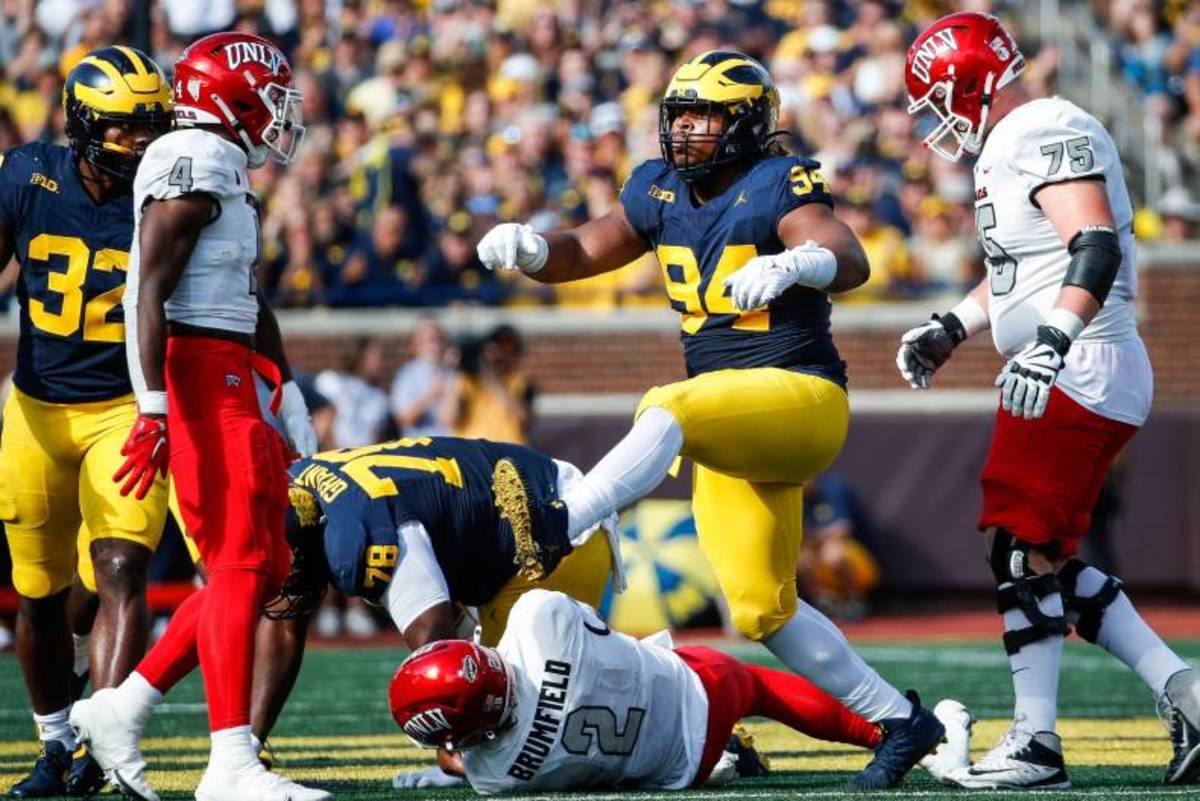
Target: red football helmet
(244, 84)
(452, 694)
(954, 69)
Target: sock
(80, 645)
(232, 748)
(54, 727)
(175, 655)
(1125, 635)
(811, 645)
(136, 697)
(1035, 670)
(225, 641)
(635, 466)
(794, 702)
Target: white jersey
(217, 287)
(595, 708)
(1043, 142)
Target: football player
(564, 703)
(66, 213)
(750, 250)
(414, 526)
(199, 332)
(1054, 221)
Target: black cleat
(905, 742)
(1179, 708)
(48, 777)
(539, 528)
(85, 779)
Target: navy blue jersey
(445, 484)
(73, 255)
(700, 246)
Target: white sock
(635, 466)
(136, 697)
(54, 727)
(80, 644)
(1125, 635)
(811, 645)
(1035, 670)
(233, 748)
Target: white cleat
(112, 739)
(253, 782)
(1022, 760)
(955, 751)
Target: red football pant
(1042, 477)
(737, 690)
(230, 473)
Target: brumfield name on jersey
(547, 720)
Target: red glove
(145, 455)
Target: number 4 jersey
(1040, 143)
(595, 708)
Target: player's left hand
(294, 413)
(1026, 381)
(764, 278)
(430, 777)
(145, 453)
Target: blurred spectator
(378, 271)
(941, 258)
(1180, 216)
(421, 384)
(887, 252)
(836, 570)
(360, 406)
(492, 397)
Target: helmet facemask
(741, 137)
(285, 131)
(117, 160)
(953, 134)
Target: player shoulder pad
(645, 192)
(546, 616)
(1052, 140)
(781, 184)
(20, 163)
(190, 160)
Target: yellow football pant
(56, 489)
(755, 437)
(582, 575)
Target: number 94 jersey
(595, 708)
(73, 255)
(1040, 143)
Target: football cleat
(253, 782)
(535, 526)
(1022, 760)
(112, 740)
(85, 779)
(48, 777)
(1179, 707)
(955, 751)
(748, 762)
(905, 742)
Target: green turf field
(337, 732)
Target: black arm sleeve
(1095, 259)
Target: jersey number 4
(683, 278)
(1002, 268)
(72, 311)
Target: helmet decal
(930, 49)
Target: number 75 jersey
(1045, 142)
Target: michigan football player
(750, 250)
(66, 213)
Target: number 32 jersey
(595, 708)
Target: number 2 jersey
(595, 708)
(699, 246)
(73, 255)
(1040, 143)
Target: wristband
(812, 265)
(974, 318)
(1066, 321)
(152, 402)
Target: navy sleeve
(794, 182)
(13, 177)
(642, 199)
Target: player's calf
(122, 623)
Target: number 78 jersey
(1040, 143)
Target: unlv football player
(564, 703)
(1054, 222)
(198, 331)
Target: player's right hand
(927, 347)
(430, 777)
(512, 246)
(145, 453)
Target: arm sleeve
(797, 182)
(1070, 146)
(418, 583)
(10, 192)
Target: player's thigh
(584, 573)
(751, 534)
(108, 513)
(762, 424)
(39, 501)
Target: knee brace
(1017, 588)
(1087, 612)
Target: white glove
(430, 777)
(1026, 381)
(512, 246)
(927, 347)
(764, 278)
(296, 422)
